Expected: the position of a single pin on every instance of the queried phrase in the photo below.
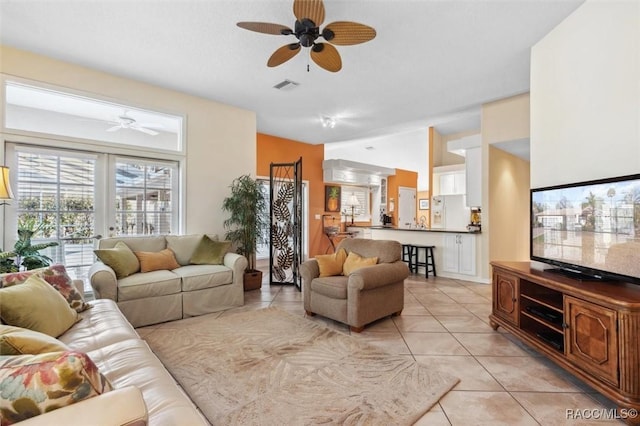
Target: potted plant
(24, 254)
(247, 224)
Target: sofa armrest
(238, 264)
(103, 281)
(79, 286)
(379, 275)
(309, 270)
(119, 407)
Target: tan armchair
(368, 294)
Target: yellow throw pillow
(162, 260)
(20, 341)
(210, 252)
(355, 261)
(331, 264)
(120, 258)
(37, 306)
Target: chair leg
(309, 313)
(357, 329)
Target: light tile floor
(445, 325)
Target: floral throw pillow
(57, 276)
(31, 385)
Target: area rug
(269, 367)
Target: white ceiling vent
(286, 85)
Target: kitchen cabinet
(453, 183)
(588, 328)
(459, 254)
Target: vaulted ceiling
(433, 62)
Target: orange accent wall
(404, 178)
(272, 149)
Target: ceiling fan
(309, 16)
(125, 121)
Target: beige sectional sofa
(167, 295)
(143, 390)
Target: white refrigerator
(449, 212)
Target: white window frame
(362, 212)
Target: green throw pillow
(120, 258)
(210, 252)
(19, 341)
(37, 306)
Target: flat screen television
(590, 230)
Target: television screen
(590, 228)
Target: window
(362, 210)
(43, 110)
(67, 192)
(57, 190)
(144, 197)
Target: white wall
(407, 151)
(221, 140)
(585, 95)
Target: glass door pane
(56, 196)
(144, 202)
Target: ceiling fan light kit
(309, 16)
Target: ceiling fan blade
(264, 27)
(326, 56)
(310, 9)
(145, 130)
(283, 54)
(345, 33)
(114, 128)
(152, 125)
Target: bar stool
(407, 255)
(429, 261)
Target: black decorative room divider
(286, 223)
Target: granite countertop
(393, 228)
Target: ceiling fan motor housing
(306, 32)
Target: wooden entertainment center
(589, 328)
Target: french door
(78, 196)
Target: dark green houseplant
(247, 224)
(24, 253)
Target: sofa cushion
(331, 264)
(334, 287)
(102, 325)
(185, 245)
(355, 261)
(210, 252)
(156, 261)
(131, 362)
(148, 284)
(20, 341)
(198, 277)
(36, 384)
(57, 276)
(120, 258)
(37, 306)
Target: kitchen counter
(456, 250)
(393, 228)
